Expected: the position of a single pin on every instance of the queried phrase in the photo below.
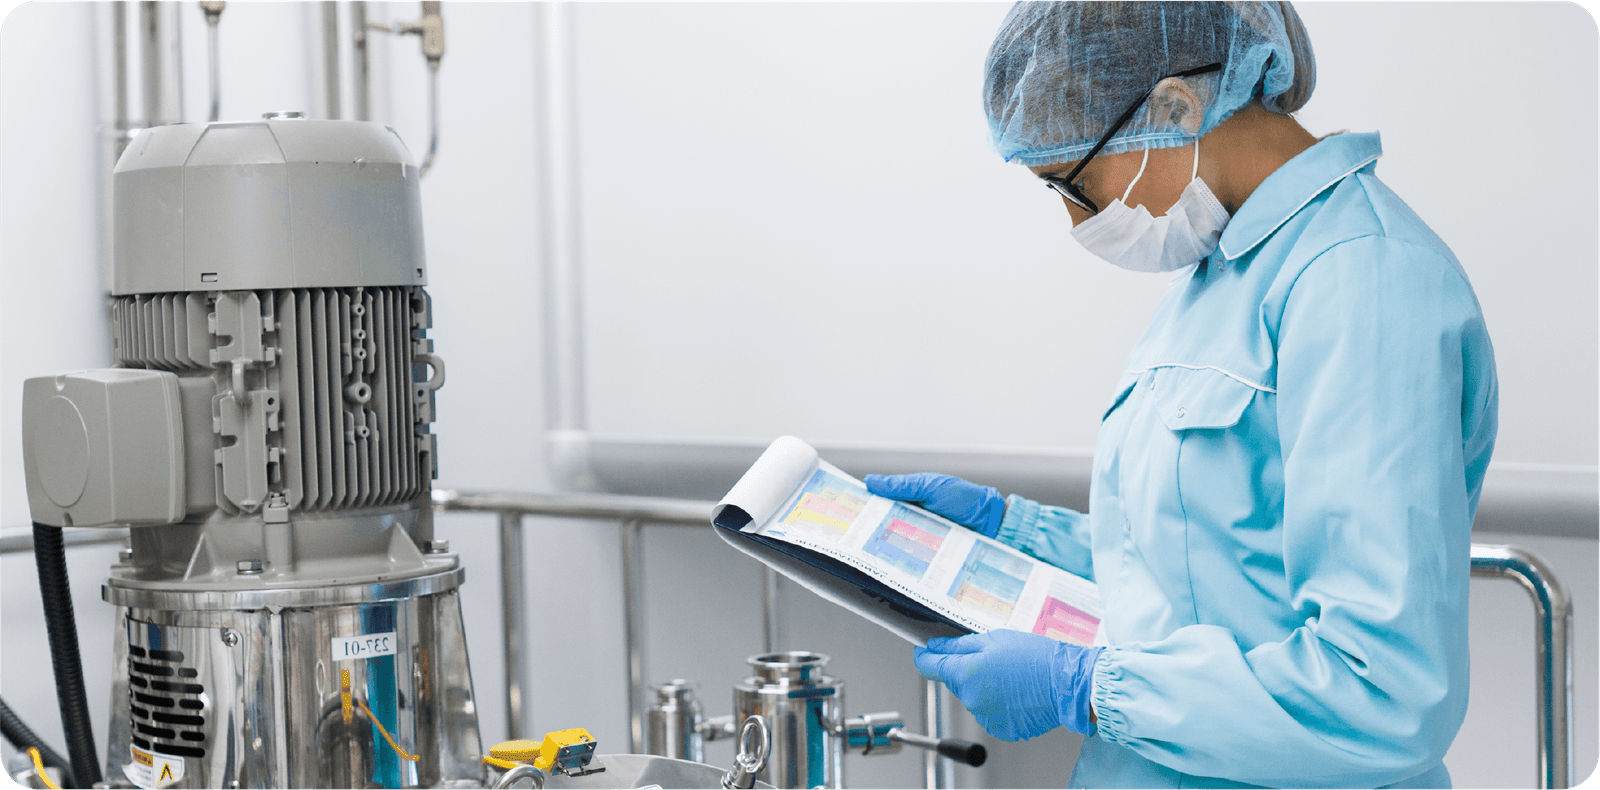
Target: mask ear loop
(1196, 173)
(1135, 180)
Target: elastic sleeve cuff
(1020, 523)
(1107, 696)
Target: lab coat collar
(1290, 187)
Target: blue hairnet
(1060, 74)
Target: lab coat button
(1182, 411)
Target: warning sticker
(150, 770)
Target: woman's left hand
(1017, 685)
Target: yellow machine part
(507, 754)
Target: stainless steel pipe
(769, 610)
(511, 589)
(938, 771)
(633, 628)
(1552, 611)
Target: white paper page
(974, 581)
(769, 481)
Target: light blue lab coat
(1282, 500)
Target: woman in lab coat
(1287, 473)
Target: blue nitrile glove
(978, 508)
(1017, 685)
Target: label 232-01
(349, 648)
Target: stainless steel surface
(643, 770)
(718, 727)
(447, 577)
(511, 589)
(674, 721)
(253, 698)
(633, 628)
(533, 776)
(557, 223)
(213, 11)
(433, 117)
(23, 541)
(938, 771)
(870, 734)
(162, 58)
(803, 708)
(1552, 611)
(360, 62)
(769, 610)
(331, 99)
(755, 746)
(649, 510)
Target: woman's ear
(1173, 101)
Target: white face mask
(1134, 240)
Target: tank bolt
(249, 567)
(229, 637)
(437, 546)
(125, 555)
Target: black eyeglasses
(1065, 184)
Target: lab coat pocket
(1199, 398)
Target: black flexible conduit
(24, 738)
(64, 657)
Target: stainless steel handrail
(1552, 650)
(11, 544)
(1552, 606)
(633, 513)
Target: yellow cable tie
(344, 694)
(38, 768)
(386, 736)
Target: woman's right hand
(978, 508)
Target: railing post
(1552, 611)
(633, 627)
(937, 771)
(769, 610)
(514, 601)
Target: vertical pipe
(330, 59)
(149, 28)
(361, 80)
(514, 601)
(162, 61)
(769, 610)
(633, 629)
(213, 11)
(433, 118)
(119, 57)
(937, 771)
(1552, 611)
(556, 147)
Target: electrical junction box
(104, 448)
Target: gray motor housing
(288, 203)
(267, 279)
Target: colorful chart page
(828, 504)
(1063, 616)
(907, 540)
(991, 580)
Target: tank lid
(792, 666)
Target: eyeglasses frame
(1064, 186)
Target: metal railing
(1552, 610)
(1552, 651)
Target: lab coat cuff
(1106, 697)
(1020, 524)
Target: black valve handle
(972, 754)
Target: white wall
(747, 169)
